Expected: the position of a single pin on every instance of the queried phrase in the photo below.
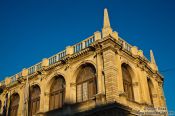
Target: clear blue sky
(31, 30)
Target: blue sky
(31, 30)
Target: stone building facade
(99, 76)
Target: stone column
(100, 81)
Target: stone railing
(71, 50)
(34, 68)
(51, 60)
(15, 77)
(131, 48)
(83, 44)
(125, 45)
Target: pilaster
(156, 94)
(100, 81)
(42, 96)
(119, 79)
(161, 94)
(145, 98)
(68, 77)
(21, 101)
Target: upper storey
(75, 49)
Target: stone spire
(107, 30)
(153, 62)
(106, 23)
(152, 57)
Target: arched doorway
(127, 82)
(34, 99)
(86, 82)
(14, 104)
(57, 93)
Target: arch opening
(57, 93)
(127, 81)
(34, 99)
(86, 82)
(14, 104)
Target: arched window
(150, 87)
(127, 82)
(14, 104)
(57, 93)
(86, 82)
(34, 99)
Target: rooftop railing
(55, 58)
(125, 45)
(13, 78)
(128, 47)
(19, 74)
(83, 44)
(34, 68)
